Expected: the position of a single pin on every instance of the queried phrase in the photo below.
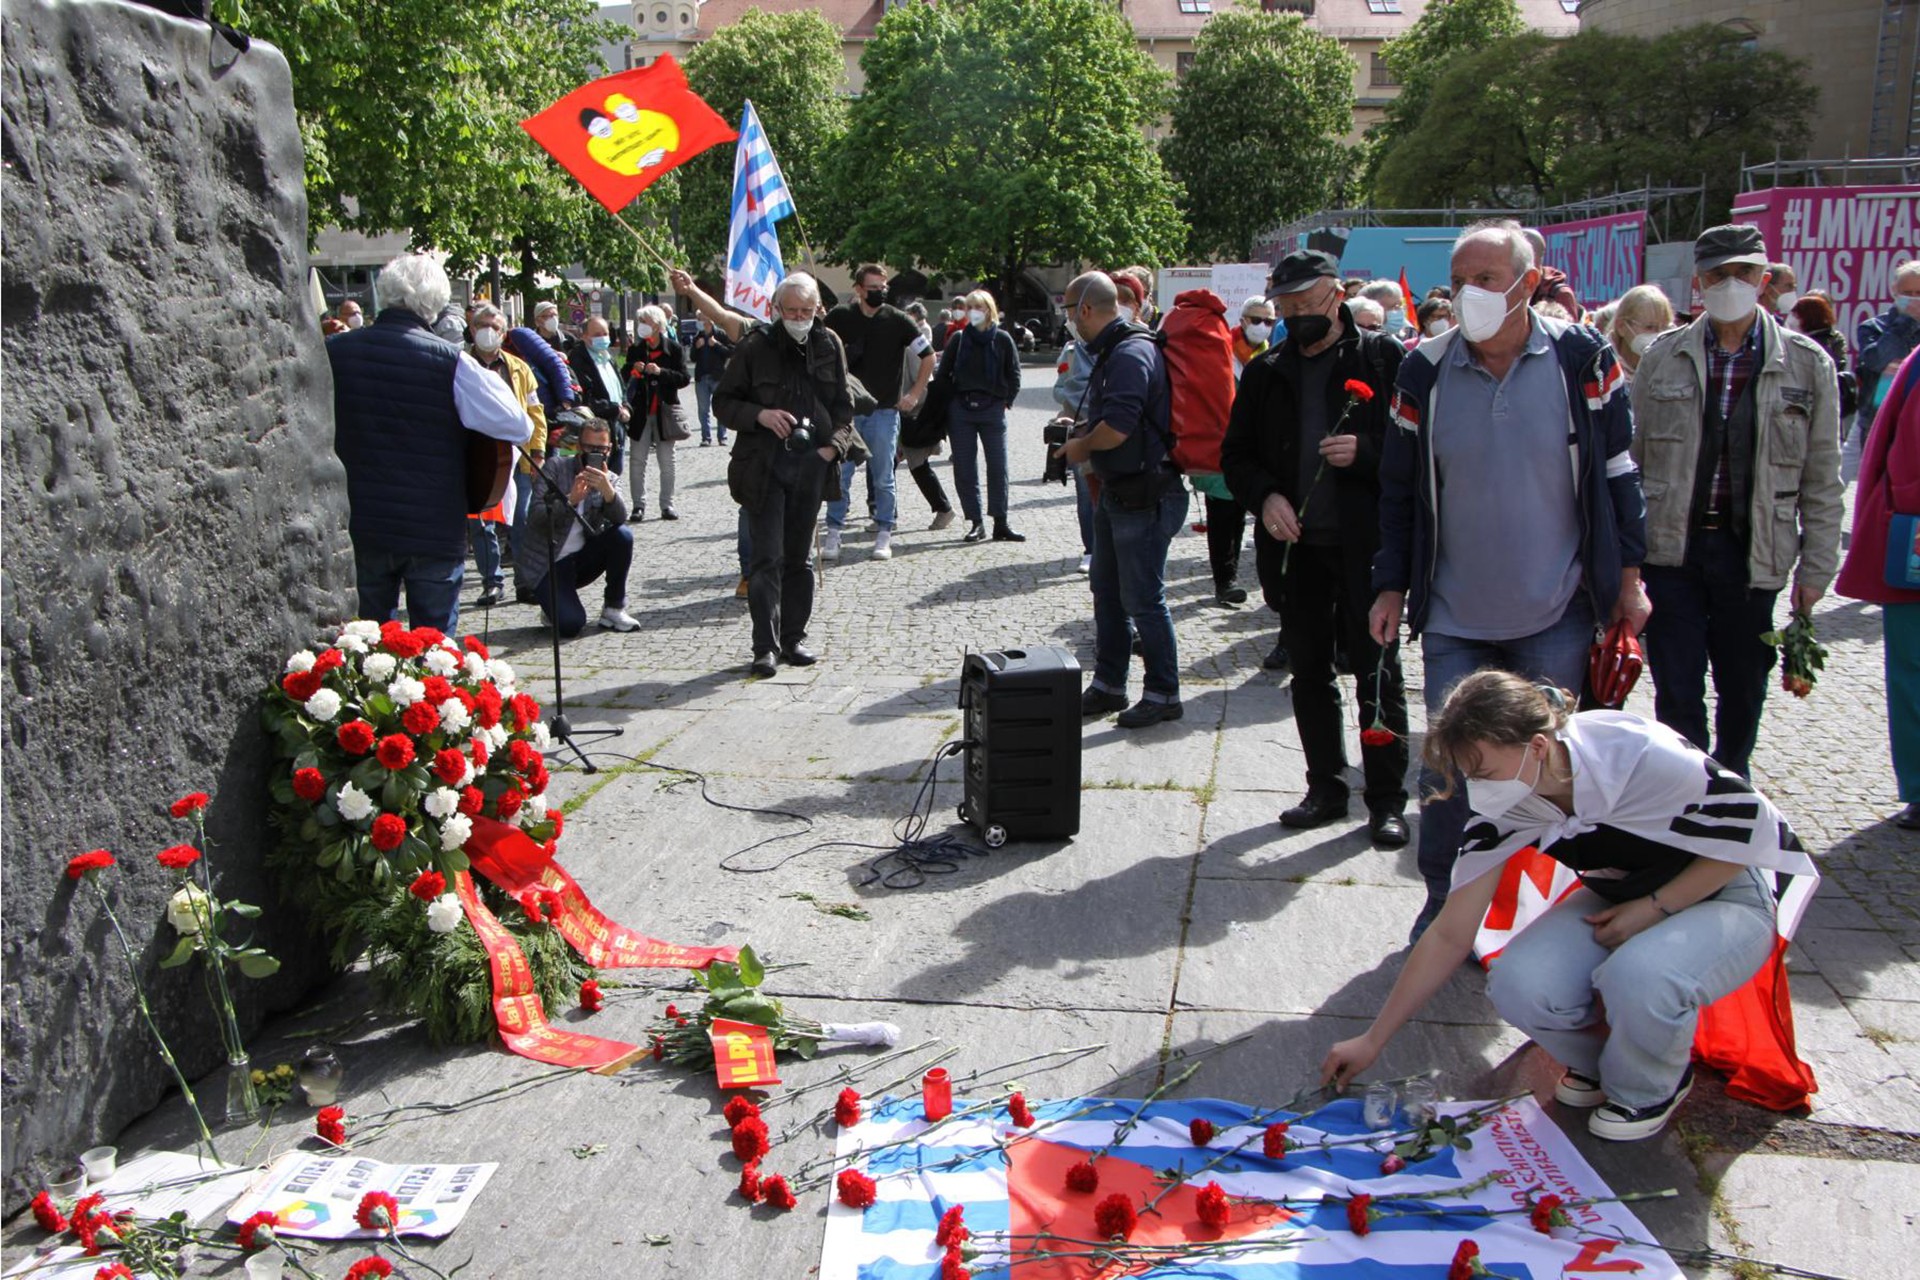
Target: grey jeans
(1553, 980)
(649, 445)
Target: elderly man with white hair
(1512, 523)
(784, 396)
(407, 410)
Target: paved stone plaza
(1180, 917)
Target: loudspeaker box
(1022, 713)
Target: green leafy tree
(791, 66)
(1446, 31)
(998, 134)
(1488, 137)
(1258, 128)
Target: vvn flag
(760, 199)
(619, 133)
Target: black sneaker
(1229, 595)
(491, 597)
(1616, 1123)
(1278, 659)
(1143, 713)
(1100, 702)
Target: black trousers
(780, 573)
(930, 487)
(1322, 590)
(1226, 526)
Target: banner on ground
(1844, 241)
(315, 1196)
(621, 133)
(1602, 257)
(1286, 1217)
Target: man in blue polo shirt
(1142, 504)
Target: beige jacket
(1797, 491)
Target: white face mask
(1257, 331)
(1909, 303)
(1784, 302)
(1396, 320)
(1494, 797)
(550, 324)
(1731, 300)
(1126, 313)
(487, 339)
(644, 330)
(355, 320)
(1641, 341)
(1437, 327)
(1481, 312)
(977, 318)
(798, 329)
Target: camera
(1055, 435)
(801, 437)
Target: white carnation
(365, 628)
(454, 715)
(476, 666)
(469, 775)
(380, 666)
(541, 737)
(444, 913)
(324, 705)
(441, 662)
(348, 643)
(456, 831)
(405, 691)
(353, 803)
(301, 661)
(502, 674)
(497, 736)
(537, 807)
(442, 801)
(186, 908)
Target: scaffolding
(1673, 213)
(1896, 73)
(1844, 172)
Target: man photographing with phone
(586, 534)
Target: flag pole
(644, 243)
(813, 259)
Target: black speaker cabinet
(1022, 711)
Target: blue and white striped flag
(760, 199)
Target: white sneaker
(1086, 564)
(941, 519)
(883, 545)
(830, 545)
(617, 619)
(1576, 1090)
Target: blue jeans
(881, 430)
(988, 427)
(1558, 654)
(433, 587)
(485, 537)
(703, 399)
(1083, 509)
(608, 552)
(1552, 980)
(1129, 582)
(1900, 636)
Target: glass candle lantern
(320, 1076)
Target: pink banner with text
(1603, 257)
(1844, 241)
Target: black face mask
(875, 297)
(1307, 330)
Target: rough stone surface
(175, 518)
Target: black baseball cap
(1302, 269)
(1738, 242)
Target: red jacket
(1889, 482)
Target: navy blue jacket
(1613, 512)
(1128, 391)
(550, 373)
(397, 430)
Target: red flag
(1406, 292)
(742, 1054)
(619, 133)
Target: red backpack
(1197, 347)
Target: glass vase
(243, 1105)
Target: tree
(997, 134)
(790, 65)
(1487, 137)
(1449, 29)
(1258, 128)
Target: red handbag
(1614, 666)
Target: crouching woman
(1676, 905)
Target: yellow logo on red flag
(742, 1054)
(623, 131)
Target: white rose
(350, 643)
(441, 662)
(502, 674)
(442, 801)
(454, 715)
(324, 705)
(379, 666)
(182, 908)
(405, 691)
(476, 666)
(353, 803)
(541, 737)
(301, 661)
(444, 913)
(456, 831)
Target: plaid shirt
(1728, 373)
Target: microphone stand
(558, 725)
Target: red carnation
(309, 784)
(438, 688)
(778, 1193)
(96, 860)
(480, 753)
(856, 1189)
(420, 719)
(509, 802)
(355, 737)
(750, 1189)
(1391, 1165)
(738, 1108)
(1461, 1268)
(1358, 390)
(559, 821)
(538, 779)
(448, 764)
(1380, 737)
(1212, 1206)
(1200, 1130)
(750, 1139)
(1017, 1111)
(590, 998)
(487, 710)
(429, 636)
(396, 640)
(953, 1229)
(1360, 1214)
(177, 857)
(473, 645)
(954, 1266)
(1273, 1143)
(673, 1011)
(367, 1268)
(298, 685)
(525, 711)
(114, 1271)
(331, 1125)
(194, 801)
(846, 1110)
(328, 660)
(679, 1022)
(522, 754)
(1083, 1177)
(378, 1211)
(1543, 1212)
(428, 885)
(48, 1214)
(395, 751)
(389, 829)
(659, 1048)
(1114, 1217)
(249, 1239)
(472, 799)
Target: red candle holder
(936, 1094)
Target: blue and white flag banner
(760, 199)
